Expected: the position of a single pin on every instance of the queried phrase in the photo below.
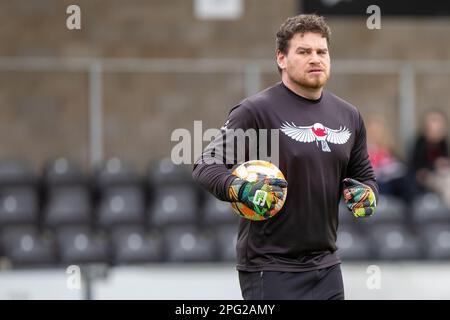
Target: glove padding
(359, 198)
(260, 196)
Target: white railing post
(95, 114)
(407, 107)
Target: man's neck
(308, 93)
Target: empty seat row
(427, 208)
(112, 172)
(26, 246)
(395, 242)
(171, 204)
(116, 206)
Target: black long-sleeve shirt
(329, 146)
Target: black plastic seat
(165, 172)
(430, 208)
(18, 206)
(396, 242)
(353, 245)
(436, 238)
(120, 206)
(17, 173)
(68, 206)
(62, 171)
(82, 245)
(217, 212)
(188, 244)
(115, 172)
(135, 245)
(174, 205)
(389, 209)
(24, 246)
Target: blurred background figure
(430, 161)
(390, 171)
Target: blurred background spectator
(430, 157)
(390, 171)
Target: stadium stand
(110, 216)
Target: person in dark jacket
(430, 161)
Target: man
(322, 154)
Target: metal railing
(251, 70)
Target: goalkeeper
(323, 155)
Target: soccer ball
(252, 171)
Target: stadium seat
(430, 208)
(24, 246)
(16, 174)
(121, 205)
(188, 243)
(217, 212)
(174, 205)
(115, 172)
(82, 245)
(135, 245)
(62, 171)
(165, 172)
(18, 205)
(436, 238)
(226, 239)
(68, 206)
(389, 209)
(395, 242)
(353, 244)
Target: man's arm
(359, 166)
(212, 169)
(215, 178)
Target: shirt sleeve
(212, 169)
(359, 166)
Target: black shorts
(321, 284)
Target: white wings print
(302, 134)
(317, 132)
(339, 136)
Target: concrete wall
(44, 114)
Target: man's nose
(314, 58)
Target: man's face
(307, 62)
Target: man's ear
(281, 59)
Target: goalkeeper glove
(359, 198)
(260, 196)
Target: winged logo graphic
(318, 133)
